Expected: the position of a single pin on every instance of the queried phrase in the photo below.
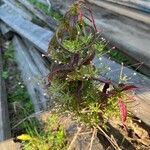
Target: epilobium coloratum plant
(74, 81)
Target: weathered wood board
(143, 5)
(10, 145)
(6, 31)
(4, 117)
(141, 107)
(39, 13)
(19, 9)
(31, 74)
(25, 28)
(119, 9)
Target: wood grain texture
(40, 14)
(4, 118)
(30, 74)
(142, 5)
(9, 145)
(25, 28)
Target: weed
(52, 136)
(5, 74)
(119, 57)
(75, 83)
(74, 80)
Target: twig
(113, 142)
(139, 64)
(92, 138)
(121, 73)
(83, 133)
(28, 117)
(74, 138)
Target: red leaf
(123, 113)
(129, 87)
(123, 110)
(80, 17)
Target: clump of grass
(119, 57)
(52, 136)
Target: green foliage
(76, 45)
(90, 114)
(9, 53)
(52, 136)
(5, 74)
(44, 8)
(83, 73)
(120, 57)
(74, 81)
(76, 90)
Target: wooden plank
(6, 31)
(31, 75)
(19, 9)
(40, 14)
(40, 61)
(142, 5)
(4, 116)
(125, 11)
(24, 12)
(25, 28)
(10, 145)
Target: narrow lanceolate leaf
(61, 68)
(80, 17)
(88, 59)
(129, 88)
(123, 112)
(24, 137)
(79, 90)
(74, 59)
